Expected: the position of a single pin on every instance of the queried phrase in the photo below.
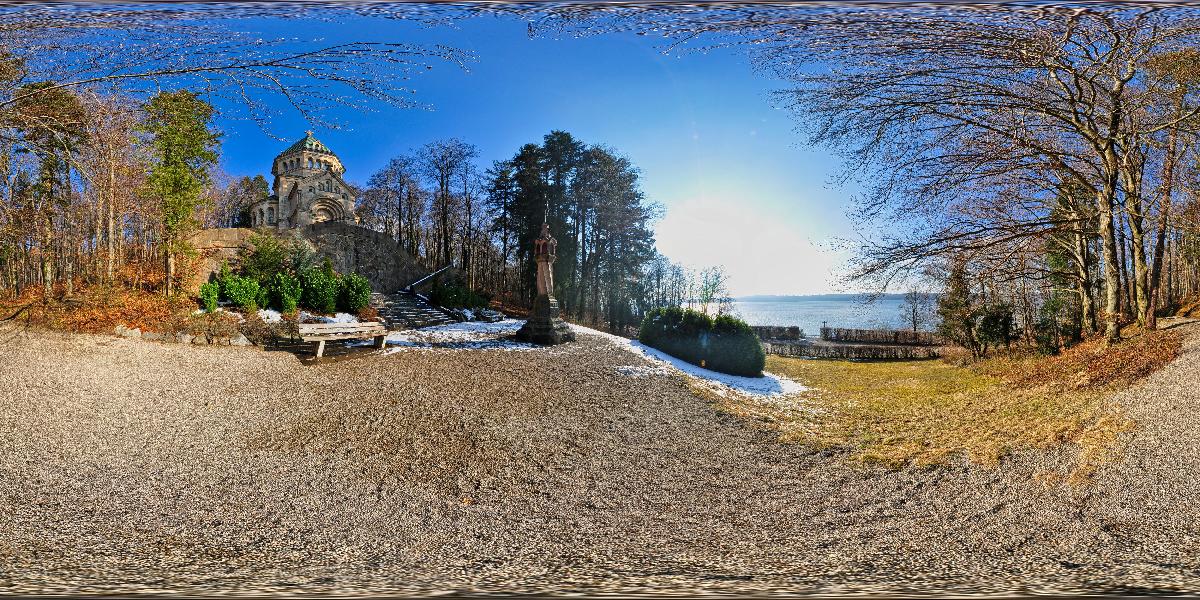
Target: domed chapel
(308, 189)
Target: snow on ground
(470, 335)
(767, 385)
(273, 316)
(474, 335)
(337, 318)
(220, 309)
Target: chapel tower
(308, 188)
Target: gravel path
(129, 466)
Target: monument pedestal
(544, 326)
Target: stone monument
(544, 325)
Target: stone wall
(371, 254)
(214, 247)
(351, 248)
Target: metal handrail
(409, 287)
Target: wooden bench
(323, 332)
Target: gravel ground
(130, 466)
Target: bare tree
(442, 162)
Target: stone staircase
(406, 310)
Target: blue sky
(738, 185)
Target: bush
(242, 292)
(262, 297)
(354, 293)
(209, 293)
(725, 344)
(996, 325)
(285, 292)
(268, 257)
(319, 290)
(456, 296)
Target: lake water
(808, 312)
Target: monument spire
(545, 326)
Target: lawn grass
(927, 413)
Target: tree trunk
(169, 270)
(1112, 278)
(1083, 274)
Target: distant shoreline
(815, 297)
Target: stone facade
(308, 189)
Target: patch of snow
(469, 314)
(767, 385)
(469, 335)
(221, 309)
(337, 318)
(270, 316)
(643, 371)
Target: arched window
(310, 164)
(328, 185)
(271, 216)
(262, 217)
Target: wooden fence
(770, 332)
(880, 336)
(852, 351)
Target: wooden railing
(851, 351)
(901, 337)
(771, 332)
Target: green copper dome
(309, 143)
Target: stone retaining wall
(349, 247)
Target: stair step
(404, 310)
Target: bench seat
(323, 332)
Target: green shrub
(209, 292)
(455, 296)
(243, 292)
(996, 325)
(319, 290)
(725, 344)
(263, 297)
(268, 257)
(300, 256)
(354, 293)
(285, 292)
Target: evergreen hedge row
(276, 276)
(725, 344)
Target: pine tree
(185, 148)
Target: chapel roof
(309, 143)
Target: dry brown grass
(1091, 365)
(926, 413)
(96, 309)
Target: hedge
(285, 292)
(319, 290)
(455, 295)
(209, 293)
(725, 344)
(354, 293)
(242, 292)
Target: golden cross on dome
(308, 132)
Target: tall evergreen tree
(185, 148)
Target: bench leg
(320, 348)
(380, 341)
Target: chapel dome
(308, 144)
